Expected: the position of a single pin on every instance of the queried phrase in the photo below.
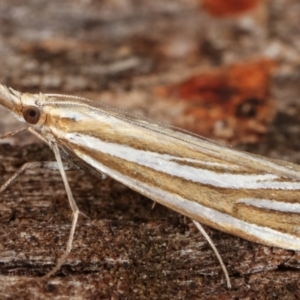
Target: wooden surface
(119, 52)
(123, 250)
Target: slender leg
(62, 167)
(12, 133)
(52, 165)
(203, 232)
(206, 236)
(38, 135)
(74, 208)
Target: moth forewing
(239, 193)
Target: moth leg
(38, 135)
(204, 233)
(32, 165)
(52, 165)
(75, 212)
(12, 133)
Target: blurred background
(228, 70)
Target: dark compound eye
(31, 114)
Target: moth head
(26, 107)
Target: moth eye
(31, 114)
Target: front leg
(52, 165)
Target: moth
(252, 197)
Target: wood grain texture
(124, 250)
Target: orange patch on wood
(229, 8)
(232, 103)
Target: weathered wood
(123, 249)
